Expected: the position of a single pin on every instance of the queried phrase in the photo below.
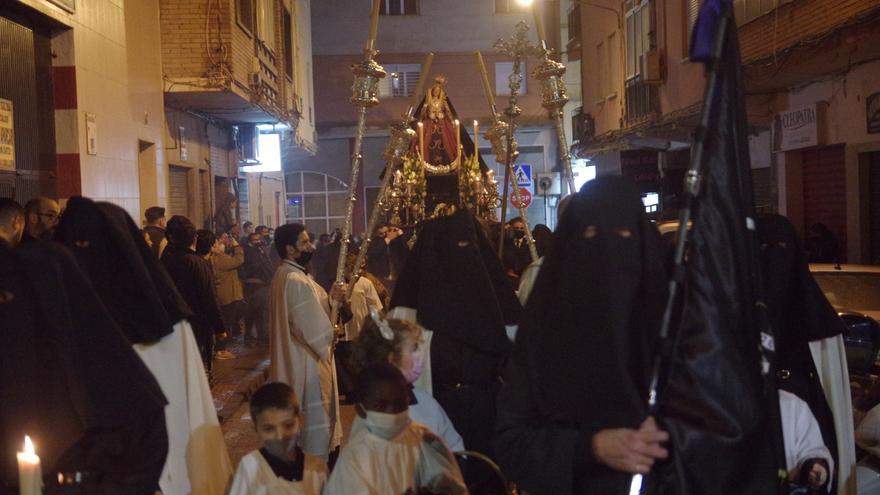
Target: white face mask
(387, 425)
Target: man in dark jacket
(195, 280)
(256, 274)
(155, 229)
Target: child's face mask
(387, 425)
(279, 429)
(418, 365)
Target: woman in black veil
(572, 416)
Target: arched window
(316, 200)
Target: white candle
(477, 139)
(421, 141)
(29, 476)
(457, 138)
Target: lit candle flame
(476, 123)
(28, 445)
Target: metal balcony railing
(641, 101)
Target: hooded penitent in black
(800, 313)
(456, 283)
(581, 360)
(131, 282)
(70, 379)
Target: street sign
(525, 195)
(523, 174)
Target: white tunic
(801, 434)
(363, 297)
(301, 339)
(829, 356)
(255, 477)
(370, 465)
(198, 462)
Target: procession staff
(365, 91)
(571, 414)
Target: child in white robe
(280, 467)
(807, 459)
(403, 346)
(390, 454)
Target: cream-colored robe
(363, 297)
(416, 458)
(301, 340)
(198, 462)
(255, 477)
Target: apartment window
(510, 7)
(639, 33)
(613, 68)
(502, 78)
(287, 27)
(401, 80)
(266, 23)
(399, 7)
(244, 15)
(318, 201)
(746, 10)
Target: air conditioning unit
(651, 68)
(246, 142)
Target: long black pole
(693, 181)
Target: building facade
(453, 30)
(139, 102)
(810, 70)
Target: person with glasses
(41, 217)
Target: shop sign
(799, 128)
(873, 113)
(7, 136)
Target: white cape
(802, 436)
(255, 477)
(370, 465)
(301, 351)
(829, 356)
(363, 297)
(198, 462)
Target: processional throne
(443, 170)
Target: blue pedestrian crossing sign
(523, 174)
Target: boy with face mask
(388, 452)
(279, 467)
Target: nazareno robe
(74, 382)
(455, 282)
(807, 327)
(301, 337)
(581, 360)
(129, 279)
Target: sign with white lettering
(799, 128)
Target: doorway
(148, 188)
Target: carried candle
(421, 141)
(29, 474)
(457, 137)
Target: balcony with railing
(642, 101)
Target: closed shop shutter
(178, 191)
(824, 176)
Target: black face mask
(304, 258)
(519, 234)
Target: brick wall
(184, 42)
(796, 21)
